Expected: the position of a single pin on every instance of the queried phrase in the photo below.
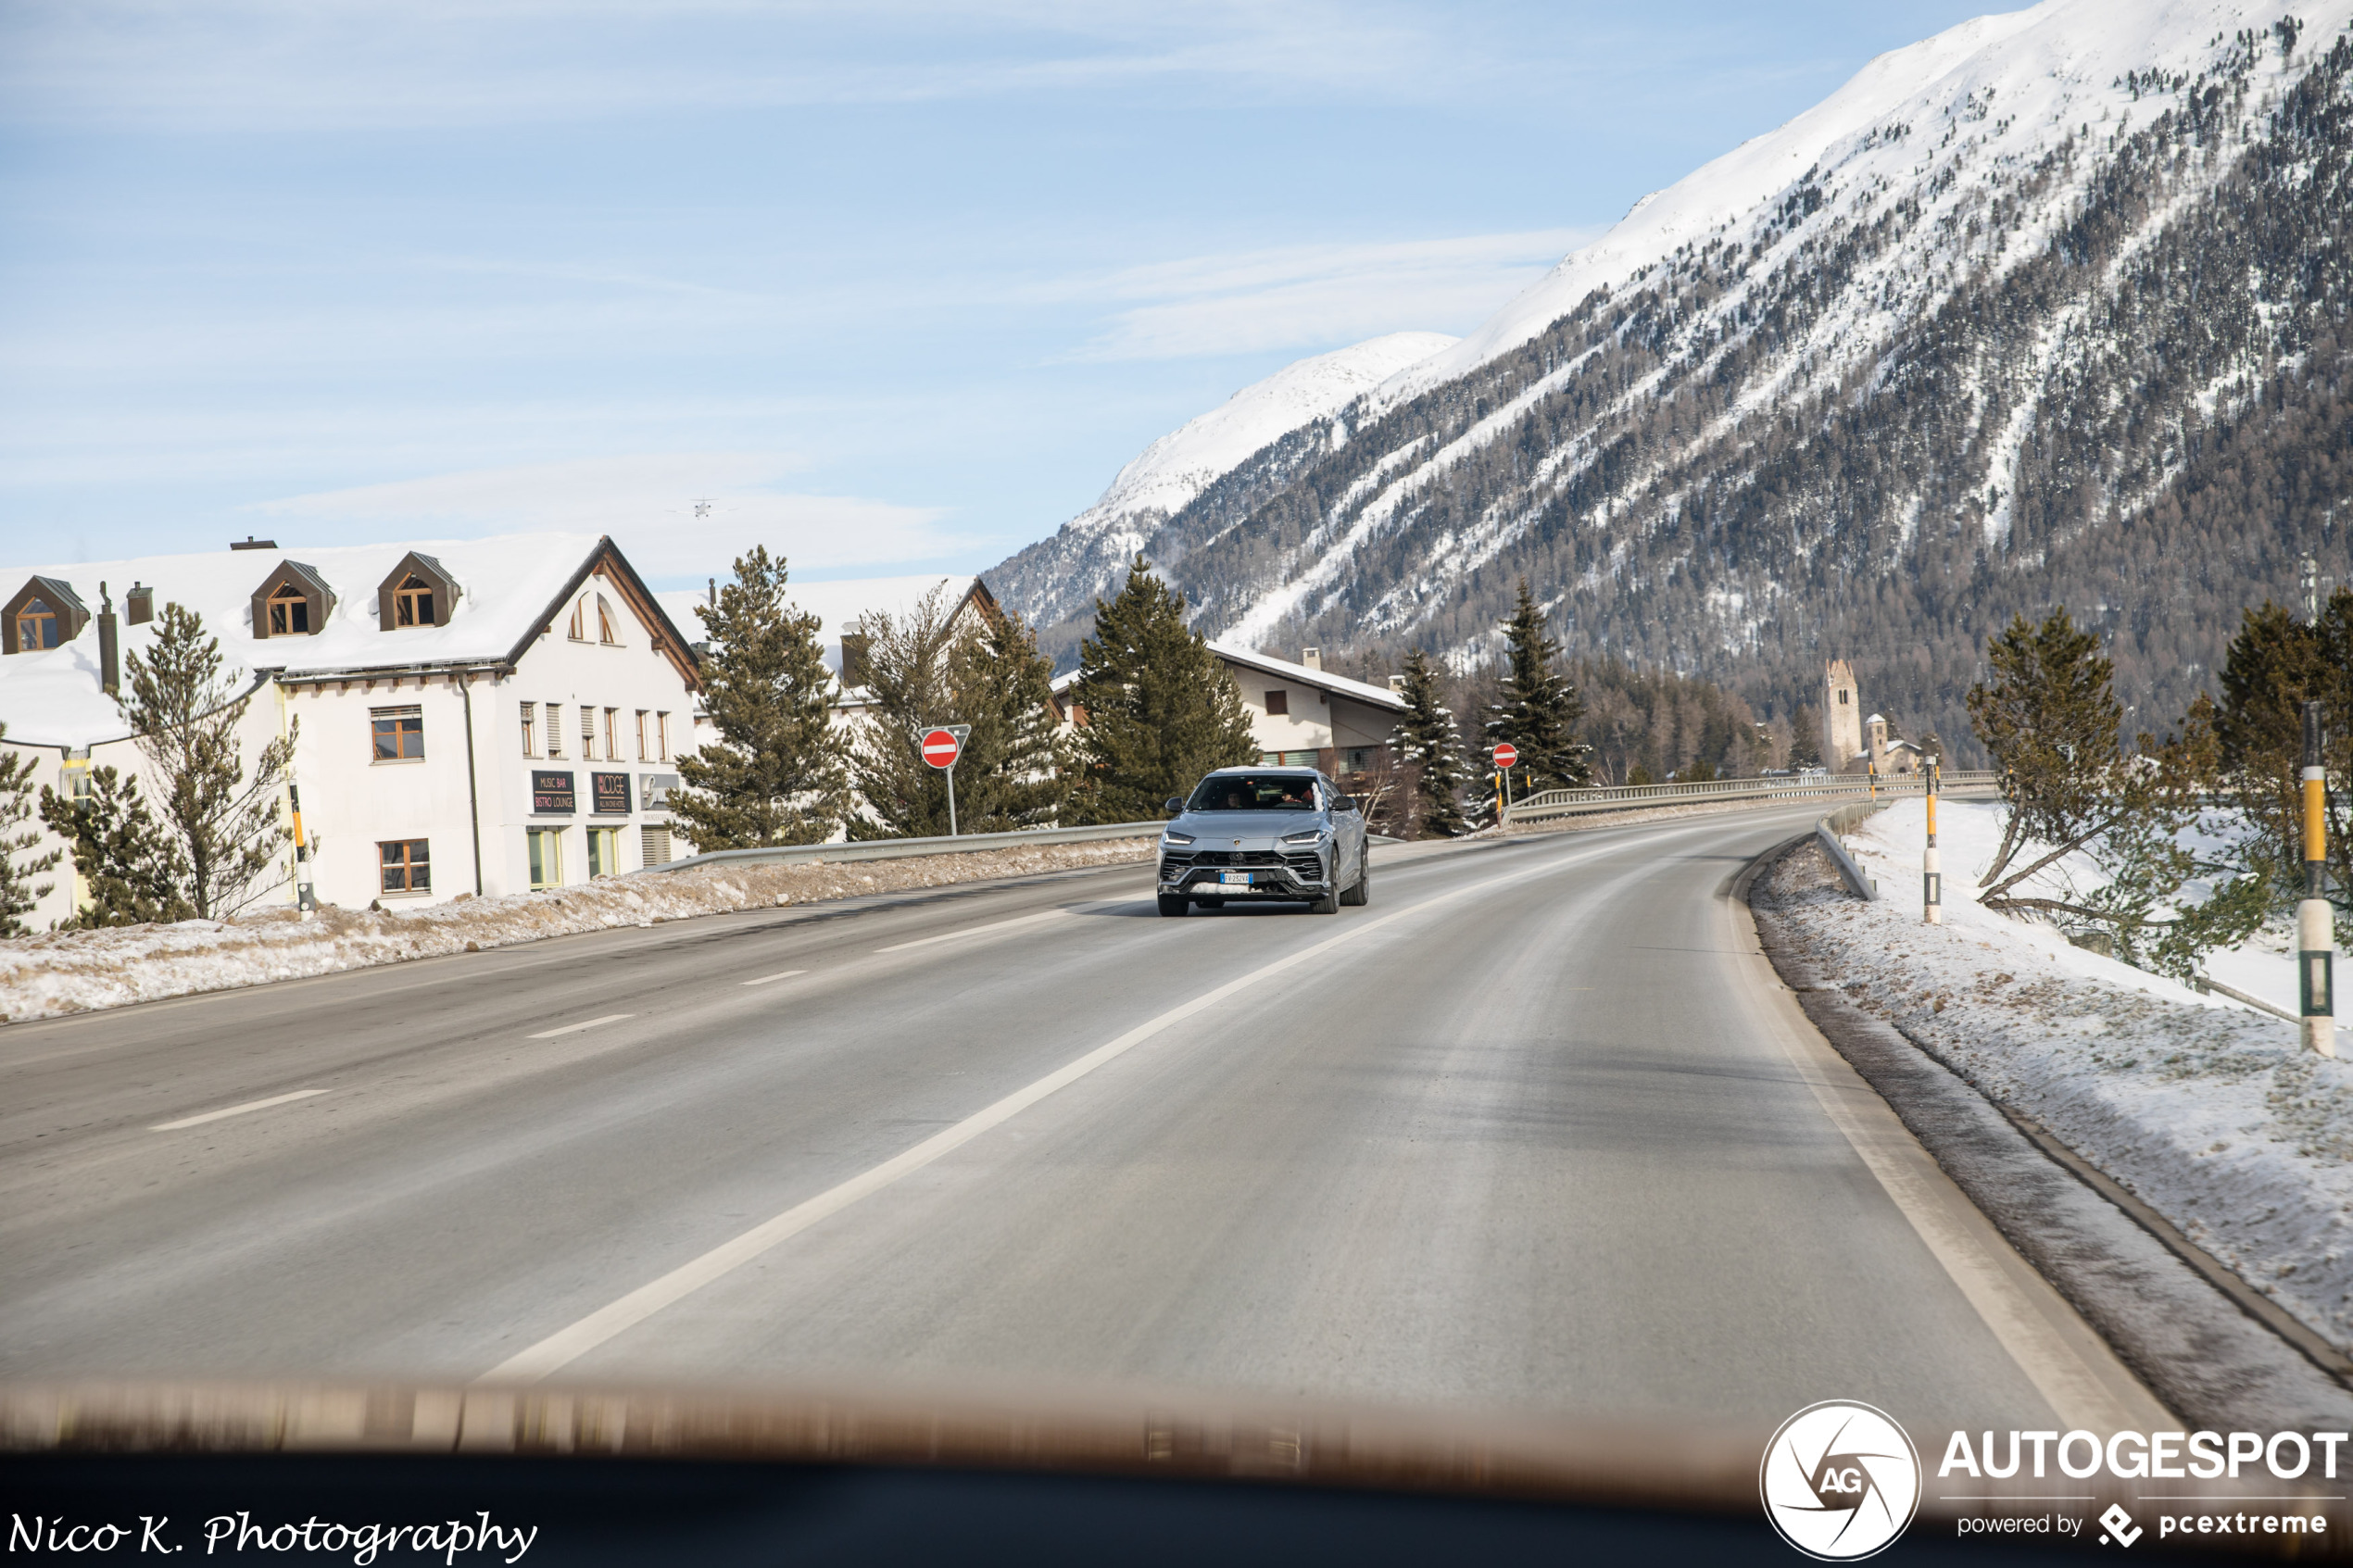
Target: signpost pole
(951, 800)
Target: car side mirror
(1173, 806)
(1346, 803)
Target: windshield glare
(1254, 792)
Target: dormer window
(44, 614)
(37, 627)
(292, 601)
(412, 602)
(419, 593)
(289, 612)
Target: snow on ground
(83, 970)
(2210, 1112)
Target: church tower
(1842, 716)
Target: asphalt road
(1537, 1131)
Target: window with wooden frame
(604, 851)
(587, 733)
(412, 602)
(556, 730)
(37, 627)
(545, 847)
(530, 729)
(1278, 702)
(612, 735)
(407, 865)
(643, 756)
(607, 627)
(289, 611)
(579, 629)
(398, 733)
(662, 734)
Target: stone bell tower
(1842, 716)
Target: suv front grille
(1307, 868)
(1237, 858)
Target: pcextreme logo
(1839, 1480)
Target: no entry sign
(940, 747)
(1505, 754)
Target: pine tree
(1161, 709)
(183, 712)
(18, 892)
(1539, 707)
(2276, 664)
(778, 772)
(1426, 741)
(904, 671)
(130, 865)
(1020, 777)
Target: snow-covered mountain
(2052, 306)
(1057, 579)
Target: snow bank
(83, 971)
(2210, 1112)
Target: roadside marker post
(2315, 940)
(306, 893)
(1932, 869)
(942, 745)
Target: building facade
(472, 718)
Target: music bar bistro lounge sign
(551, 792)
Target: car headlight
(1314, 837)
(1175, 838)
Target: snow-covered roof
(1266, 664)
(508, 588)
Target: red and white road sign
(1506, 754)
(940, 747)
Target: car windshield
(1254, 792)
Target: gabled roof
(513, 585)
(1300, 674)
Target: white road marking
(576, 1028)
(1954, 1232)
(234, 1110)
(977, 930)
(780, 974)
(567, 1345)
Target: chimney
(251, 542)
(138, 604)
(109, 654)
(714, 591)
(1311, 657)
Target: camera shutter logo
(1839, 1480)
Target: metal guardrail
(899, 848)
(1827, 830)
(1547, 804)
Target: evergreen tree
(183, 712)
(778, 772)
(1806, 737)
(1020, 777)
(904, 670)
(1426, 740)
(130, 865)
(1539, 708)
(1161, 710)
(18, 892)
(2276, 664)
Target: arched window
(37, 627)
(412, 602)
(608, 630)
(579, 632)
(289, 611)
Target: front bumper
(1273, 873)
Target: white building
(482, 716)
(1301, 714)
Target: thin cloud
(1307, 296)
(677, 514)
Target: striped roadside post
(1932, 869)
(2315, 941)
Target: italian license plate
(1235, 879)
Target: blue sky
(897, 286)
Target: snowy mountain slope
(1058, 578)
(2051, 307)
